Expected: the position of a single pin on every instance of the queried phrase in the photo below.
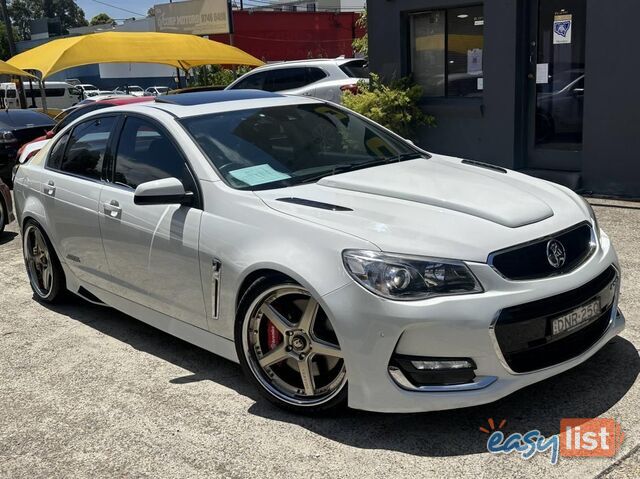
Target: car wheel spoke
(325, 349)
(279, 353)
(309, 316)
(276, 318)
(307, 376)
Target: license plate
(575, 319)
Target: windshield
(89, 87)
(281, 146)
(135, 88)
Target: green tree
(102, 19)
(151, 12)
(23, 11)
(361, 45)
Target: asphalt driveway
(88, 392)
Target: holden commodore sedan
(335, 261)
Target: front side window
(446, 51)
(86, 148)
(145, 153)
(281, 146)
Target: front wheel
(288, 347)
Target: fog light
(443, 364)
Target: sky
(120, 9)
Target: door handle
(50, 188)
(112, 209)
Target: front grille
(523, 332)
(529, 261)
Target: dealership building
(542, 86)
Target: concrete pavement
(87, 391)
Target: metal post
(12, 49)
(43, 95)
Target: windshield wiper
(345, 167)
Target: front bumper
(371, 329)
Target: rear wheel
(4, 217)
(288, 348)
(43, 268)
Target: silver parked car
(322, 78)
(335, 261)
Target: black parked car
(18, 127)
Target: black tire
(258, 288)
(55, 290)
(3, 216)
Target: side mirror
(167, 191)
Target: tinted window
(285, 145)
(55, 155)
(86, 148)
(11, 93)
(77, 113)
(315, 74)
(356, 69)
(145, 154)
(285, 79)
(253, 82)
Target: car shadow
(7, 237)
(587, 391)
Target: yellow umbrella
(175, 49)
(6, 69)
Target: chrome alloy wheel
(291, 347)
(38, 259)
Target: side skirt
(199, 337)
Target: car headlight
(594, 220)
(402, 277)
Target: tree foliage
(23, 11)
(361, 45)
(394, 106)
(102, 19)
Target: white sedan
(335, 261)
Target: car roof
(195, 104)
(125, 101)
(309, 61)
(202, 97)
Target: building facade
(541, 86)
(315, 6)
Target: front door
(152, 250)
(556, 84)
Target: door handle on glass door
(112, 209)
(50, 188)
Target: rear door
(71, 184)
(152, 250)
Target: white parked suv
(335, 261)
(327, 79)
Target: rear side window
(145, 153)
(315, 74)
(286, 79)
(55, 156)
(11, 93)
(356, 68)
(86, 148)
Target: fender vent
(314, 204)
(487, 166)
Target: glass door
(556, 84)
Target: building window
(311, 7)
(446, 51)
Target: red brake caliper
(273, 336)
